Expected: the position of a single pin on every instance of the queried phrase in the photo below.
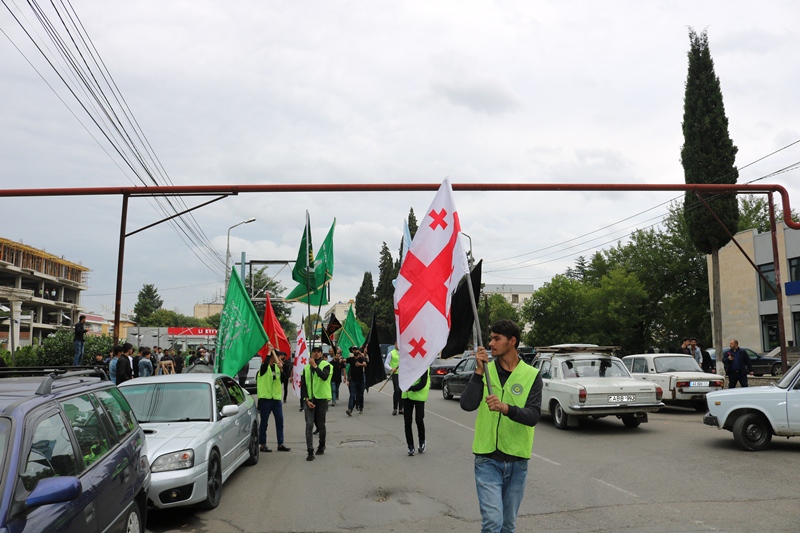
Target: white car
(199, 428)
(581, 381)
(679, 375)
(755, 414)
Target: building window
(794, 269)
(769, 332)
(765, 290)
(795, 329)
(515, 298)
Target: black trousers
(417, 410)
(316, 417)
(396, 397)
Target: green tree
(413, 226)
(384, 296)
(311, 322)
(558, 312)
(213, 321)
(58, 348)
(708, 155)
(164, 318)
(618, 308)
(148, 303)
(365, 299)
(754, 213)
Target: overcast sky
(372, 92)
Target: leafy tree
(28, 356)
(164, 318)
(558, 311)
(311, 321)
(384, 296)
(754, 213)
(412, 223)
(618, 308)
(365, 299)
(213, 321)
(258, 283)
(500, 309)
(58, 348)
(708, 155)
(148, 303)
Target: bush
(26, 356)
(58, 349)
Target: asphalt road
(672, 474)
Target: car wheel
(446, 392)
(777, 369)
(752, 432)
(134, 522)
(253, 447)
(214, 489)
(701, 406)
(630, 421)
(559, 416)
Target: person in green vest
(414, 402)
(269, 390)
(315, 390)
(504, 426)
(394, 367)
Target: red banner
(192, 332)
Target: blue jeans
(500, 489)
(335, 390)
(356, 395)
(265, 407)
(78, 359)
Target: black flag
(330, 329)
(461, 317)
(375, 369)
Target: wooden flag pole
(478, 329)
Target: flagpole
(477, 323)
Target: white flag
(300, 359)
(430, 272)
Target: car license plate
(698, 383)
(622, 398)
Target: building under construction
(39, 293)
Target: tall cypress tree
(148, 302)
(384, 296)
(708, 155)
(365, 299)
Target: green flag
(302, 272)
(350, 334)
(241, 334)
(315, 293)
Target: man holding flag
(315, 387)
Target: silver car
(199, 428)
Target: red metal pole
(778, 287)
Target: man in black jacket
(125, 364)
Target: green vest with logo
(318, 389)
(422, 394)
(395, 361)
(268, 385)
(494, 431)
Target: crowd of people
(126, 362)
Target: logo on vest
(516, 389)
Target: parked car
(581, 380)
(453, 384)
(761, 363)
(200, 427)
(440, 368)
(72, 454)
(755, 414)
(678, 375)
(252, 372)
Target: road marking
(545, 459)
(615, 487)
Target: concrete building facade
(515, 294)
(749, 307)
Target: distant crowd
(124, 362)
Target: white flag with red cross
(300, 359)
(430, 272)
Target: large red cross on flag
(300, 360)
(430, 272)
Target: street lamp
(228, 252)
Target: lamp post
(228, 252)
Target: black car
(440, 368)
(455, 382)
(762, 364)
(72, 453)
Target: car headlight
(173, 461)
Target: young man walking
(315, 390)
(269, 390)
(503, 439)
(414, 406)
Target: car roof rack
(577, 348)
(53, 374)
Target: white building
(515, 294)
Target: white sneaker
(421, 448)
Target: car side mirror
(229, 410)
(53, 490)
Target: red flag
(275, 332)
(428, 276)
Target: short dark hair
(316, 349)
(506, 328)
(82, 317)
(145, 352)
(117, 349)
(685, 339)
(127, 347)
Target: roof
(577, 349)
(194, 377)
(40, 385)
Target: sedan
(762, 364)
(455, 382)
(440, 368)
(679, 375)
(199, 428)
(583, 381)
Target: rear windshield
(676, 364)
(170, 402)
(602, 367)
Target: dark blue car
(72, 455)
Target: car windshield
(170, 402)
(602, 367)
(789, 376)
(255, 363)
(676, 363)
